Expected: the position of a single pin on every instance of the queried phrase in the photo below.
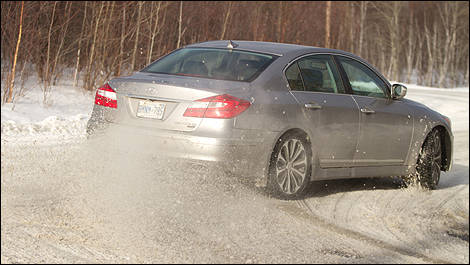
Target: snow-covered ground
(63, 203)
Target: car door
(332, 114)
(386, 125)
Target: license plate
(149, 109)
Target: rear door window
(315, 73)
(224, 64)
(294, 78)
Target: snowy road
(69, 203)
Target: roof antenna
(232, 45)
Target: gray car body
(345, 142)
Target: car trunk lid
(159, 101)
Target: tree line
(419, 42)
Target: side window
(319, 74)
(294, 78)
(364, 82)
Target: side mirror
(398, 91)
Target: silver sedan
(286, 114)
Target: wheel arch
(446, 143)
(288, 131)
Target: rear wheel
(428, 166)
(290, 167)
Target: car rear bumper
(241, 155)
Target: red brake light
(220, 107)
(106, 96)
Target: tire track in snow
(336, 206)
(317, 220)
(383, 219)
(446, 200)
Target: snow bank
(64, 118)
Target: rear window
(223, 64)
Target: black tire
(428, 166)
(290, 167)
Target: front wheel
(428, 166)
(290, 167)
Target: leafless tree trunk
(279, 22)
(75, 76)
(139, 12)
(226, 19)
(395, 40)
(121, 44)
(255, 21)
(338, 40)
(21, 90)
(12, 76)
(105, 51)
(180, 22)
(155, 31)
(419, 51)
(47, 66)
(352, 22)
(89, 82)
(410, 52)
(362, 18)
(68, 7)
(431, 51)
(327, 24)
(149, 44)
(449, 15)
(160, 40)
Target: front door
(386, 125)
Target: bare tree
(108, 38)
(136, 42)
(410, 50)
(279, 22)
(89, 80)
(12, 76)
(46, 81)
(121, 43)
(58, 52)
(226, 19)
(449, 14)
(327, 24)
(75, 76)
(431, 45)
(418, 66)
(179, 25)
(351, 18)
(362, 18)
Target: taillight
(106, 96)
(221, 107)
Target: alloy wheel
(291, 166)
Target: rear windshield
(224, 64)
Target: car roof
(290, 51)
(280, 49)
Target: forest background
(424, 43)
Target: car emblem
(152, 90)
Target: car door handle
(312, 105)
(367, 110)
